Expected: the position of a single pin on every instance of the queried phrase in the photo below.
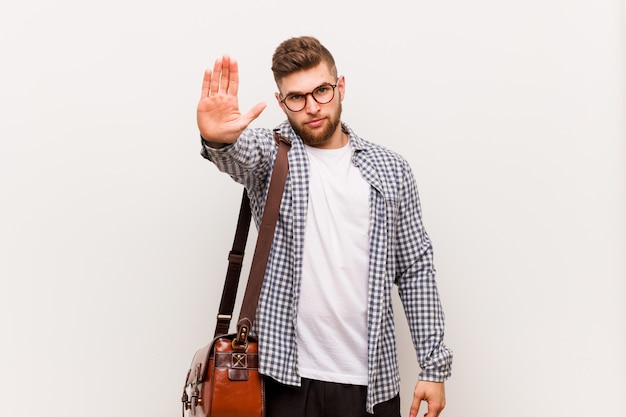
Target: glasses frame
(333, 86)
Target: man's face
(317, 124)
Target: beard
(317, 137)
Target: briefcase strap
(235, 262)
(261, 252)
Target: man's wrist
(214, 145)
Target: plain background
(114, 231)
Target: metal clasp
(196, 399)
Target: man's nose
(311, 105)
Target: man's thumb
(254, 112)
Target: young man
(349, 229)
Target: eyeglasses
(322, 94)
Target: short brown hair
(297, 54)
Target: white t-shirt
(331, 324)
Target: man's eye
(321, 90)
(294, 97)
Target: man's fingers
(215, 77)
(418, 397)
(223, 79)
(225, 74)
(434, 409)
(415, 406)
(206, 84)
(233, 79)
(431, 392)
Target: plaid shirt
(400, 253)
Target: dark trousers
(323, 399)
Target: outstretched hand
(431, 392)
(219, 118)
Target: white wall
(114, 232)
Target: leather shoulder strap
(262, 250)
(264, 240)
(235, 262)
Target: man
(349, 228)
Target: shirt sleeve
(418, 288)
(247, 160)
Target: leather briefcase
(223, 379)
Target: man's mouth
(315, 123)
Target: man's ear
(341, 86)
(280, 104)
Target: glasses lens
(295, 102)
(324, 94)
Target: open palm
(219, 118)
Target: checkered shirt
(400, 253)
